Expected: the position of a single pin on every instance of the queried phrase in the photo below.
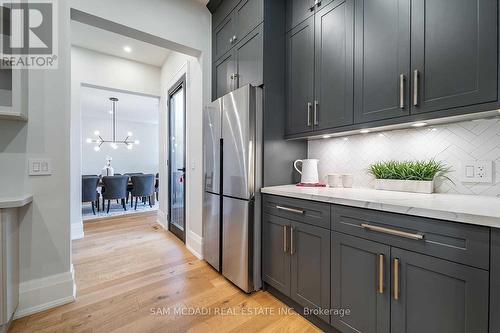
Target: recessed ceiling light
(419, 124)
(127, 49)
(364, 131)
(326, 136)
(110, 111)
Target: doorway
(177, 159)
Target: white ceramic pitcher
(309, 171)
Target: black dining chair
(130, 186)
(115, 188)
(89, 191)
(157, 185)
(143, 187)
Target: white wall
(143, 158)
(174, 67)
(45, 262)
(452, 144)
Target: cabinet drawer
(314, 213)
(462, 243)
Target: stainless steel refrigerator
(232, 154)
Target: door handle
(416, 80)
(316, 105)
(309, 107)
(284, 239)
(402, 80)
(182, 169)
(392, 232)
(381, 264)
(395, 294)
(292, 250)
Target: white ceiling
(95, 103)
(107, 42)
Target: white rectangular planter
(417, 186)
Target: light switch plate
(478, 171)
(39, 167)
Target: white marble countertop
(471, 209)
(15, 201)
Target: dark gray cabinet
(437, 296)
(296, 261)
(223, 78)
(275, 246)
(382, 59)
(249, 59)
(298, 11)
(495, 282)
(454, 55)
(360, 284)
(237, 46)
(320, 70)
(334, 48)
(300, 77)
(310, 266)
(222, 37)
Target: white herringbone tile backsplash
(451, 143)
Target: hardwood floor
(130, 273)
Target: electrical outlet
(477, 171)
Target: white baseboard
(77, 230)
(194, 243)
(46, 293)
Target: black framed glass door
(177, 159)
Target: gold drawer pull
(381, 264)
(396, 279)
(392, 232)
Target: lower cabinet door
(310, 267)
(275, 257)
(360, 280)
(437, 296)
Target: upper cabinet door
(223, 37)
(382, 59)
(249, 59)
(454, 53)
(300, 77)
(224, 76)
(310, 266)
(360, 282)
(333, 103)
(437, 296)
(247, 16)
(298, 11)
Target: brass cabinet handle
(316, 105)
(381, 264)
(292, 250)
(396, 279)
(415, 87)
(291, 210)
(392, 232)
(284, 239)
(402, 79)
(309, 107)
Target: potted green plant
(408, 176)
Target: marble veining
(451, 143)
(478, 210)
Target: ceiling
(95, 103)
(107, 42)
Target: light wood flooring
(130, 273)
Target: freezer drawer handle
(392, 232)
(291, 210)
